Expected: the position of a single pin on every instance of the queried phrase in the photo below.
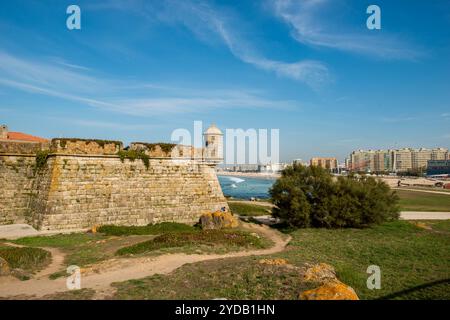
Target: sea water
(246, 187)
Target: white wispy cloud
(312, 24)
(117, 95)
(34, 72)
(217, 24)
(446, 115)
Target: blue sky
(139, 69)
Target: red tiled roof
(19, 136)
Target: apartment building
(440, 154)
(420, 157)
(398, 160)
(326, 163)
(362, 160)
(402, 159)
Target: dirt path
(422, 190)
(100, 276)
(423, 215)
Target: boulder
(332, 290)
(218, 220)
(273, 262)
(4, 267)
(321, 272)
(94, 229)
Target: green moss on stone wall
(166, 147)
(101, 143)
(132, 155)
(41, 159)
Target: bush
(312, 197)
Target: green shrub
(310, 197)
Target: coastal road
(422, 190)
(424, 215)
(404, 215)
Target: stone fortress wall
(75, 184)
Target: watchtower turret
(213, 144)
(3, 132)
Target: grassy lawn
(246, 209)
(84, 249)
(427, 188)
(408, 256)
(423, 201)
(237, 278)
(143, 230)
(27, 259)
(81, 248)
(200, 241)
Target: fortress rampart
(75, 183)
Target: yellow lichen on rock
(218, 220)
(273, 262)
(332, 290)
(321, 272)
(422, 225)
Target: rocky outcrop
(330, 289)
(321, 272)
(218, 220)
(273, 262)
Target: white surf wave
(236, 180)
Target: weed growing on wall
(165, 147)
(101, 143)
(132, 155)
(41, 159)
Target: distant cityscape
(406, 161)
(399, 161)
